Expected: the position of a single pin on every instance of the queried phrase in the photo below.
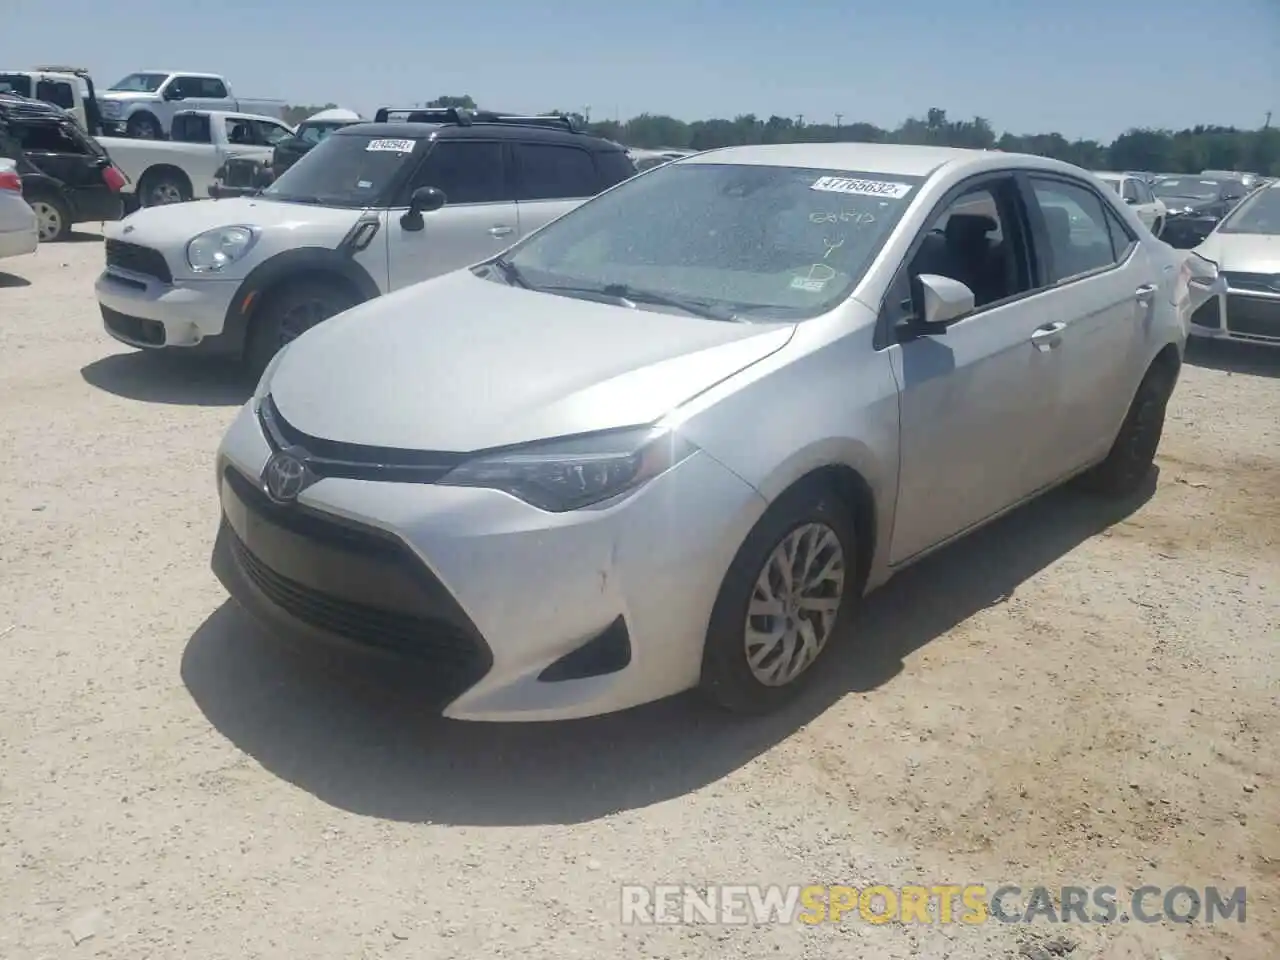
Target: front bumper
(143, 311)
(485, 589)
(1250, 316)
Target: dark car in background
(1196, 205)
(67, 177)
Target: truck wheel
(290, 311)
(53, 219)
(144, 127)
(161, 187)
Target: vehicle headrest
(969, 227)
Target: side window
(272, 133)
(192, 128)
(1122, 239)
(976, 241)
(1130, 191)
(48, 138)
(57, 92)
(10, 148)
(211, 87)
(1144, 193)
(1076, 228)
(240, 132)
(549, 171)
(184, 86)
(614, 166)
(467, 171)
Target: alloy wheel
(301, 318)
(48, 220)
(792, 611)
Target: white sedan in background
(19, 232)
(1136, 192)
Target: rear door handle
(1145, 292)
(501, 231)
(1048, 336)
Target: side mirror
(944, 300)
(423, 200)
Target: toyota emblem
(285, 476)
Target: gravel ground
(1075, 695)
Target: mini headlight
(213, 250)
(576, 472)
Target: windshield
(141, 82)
(313, 133)
(1188, 187)
(349, 171)
(767, 242)
(15, 83)
(1259, 214)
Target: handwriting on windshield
(844, 216)
(832, 246)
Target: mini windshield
(141, 82)
(1258, 214)
(761, 242)
(1193, 187)
(346, 171)
(314, 132)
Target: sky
(1083, 68)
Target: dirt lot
(1074, 696)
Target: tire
(161, 188)
(807, 516)
(1128, 463)
(289, 311)
(143, 126)
(53, 218)
(1158, 228)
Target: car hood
(124, 95)
(460, 363)
(179, 222)
(1242, 252)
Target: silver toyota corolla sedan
(1246, 248)
(669, 440)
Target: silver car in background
(670, 439)
(1246, 248)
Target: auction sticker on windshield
(390, 146)
(865, 188)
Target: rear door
(1103, 286)
(59, 150)
(551, 179)
(478, 220)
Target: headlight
(110, 109)
(560, 475)
(213, 250)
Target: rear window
(614, 167)
(15, 83)
(191, 128)
(345, 171)
(46, 136)
(57, 92)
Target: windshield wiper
(510, 272)
(629, 296)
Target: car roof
(887, 158)
(185, 73)
(478, 128)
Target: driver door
(478, 220)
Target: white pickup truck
(143, 104)
(183, 167)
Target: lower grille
(1253, 316)
(1261, 282)
(353, 583)
(134, 329)
(1208, 314)
(138, 259)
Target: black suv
(67, 177)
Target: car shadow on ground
(1234, 356)
(351, 734)
(12, 280)
(78, 236)
(161, 378)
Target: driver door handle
(1048, 336)
(501, 231)
(1145, 292)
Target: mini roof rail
(425, 115)
(558, 120)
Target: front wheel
(790, 586)
(289, 312)
(1128, 464)
(143, 126)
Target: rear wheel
(290, 311)
(787, 591)
(1129, 462)
(53, 219)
